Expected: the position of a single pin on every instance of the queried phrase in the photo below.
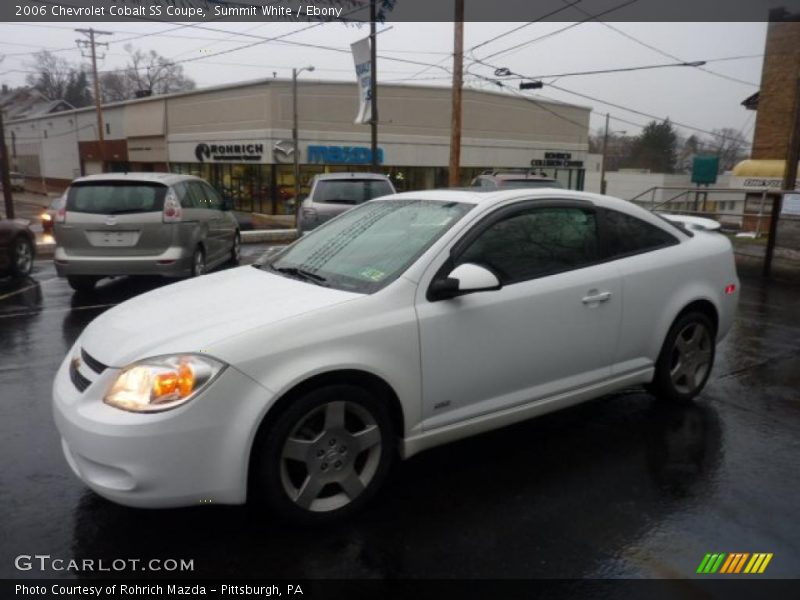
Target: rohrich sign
(246, 152)
(342, 155)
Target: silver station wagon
(142, 224)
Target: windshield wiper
(300, 274)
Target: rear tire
(325, 456)
(236, 250)
(22, 253)
(83, 284)
(686, 359)
(198, 262)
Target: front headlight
(162, 383)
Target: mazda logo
(202, 152)
(283, 151)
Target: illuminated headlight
(162, 383)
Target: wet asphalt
(618, 487)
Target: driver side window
(535, 242)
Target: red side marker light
(730, 288)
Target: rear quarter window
(116, 197)
(625, 235)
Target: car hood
(191, 315)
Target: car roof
(354, 175)
(490, 198)
(145, 177)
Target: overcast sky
(684, 94)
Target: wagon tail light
(172, 208)
(730, 288)
(61, 213)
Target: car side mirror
(464, 279)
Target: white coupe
(408, 322)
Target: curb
(45, 249)
(257, 236)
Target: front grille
(91, 362)
(78, 380)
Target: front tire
(325, 456)
(22, 253)
(686, 359)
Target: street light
(296, 154)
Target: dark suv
(508, 180)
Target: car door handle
(595, 297)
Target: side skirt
(450, 433)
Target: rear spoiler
(697, 223)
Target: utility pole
(5, 178)
(92, 44)
(603, 165)
(296, 144)
(789, 180)
(373, 87)
(454, 178)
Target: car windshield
(116, 197)
(368, 247)
(529, 183)
(350, 191)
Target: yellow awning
(759, 168)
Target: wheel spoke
(352, 485)
(295, 449)
(678, 370)
(367, 438)
(309, 491)
(695, 337)
(334, 415)
(703, 357)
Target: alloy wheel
(23, 256)
(237, 248)
(199, 263)
(330, 456)
(691, 358)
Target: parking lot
(619, 487)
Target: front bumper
(173, 262)
(195, 454)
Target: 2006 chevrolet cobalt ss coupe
(405, 323)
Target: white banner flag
(361, 57)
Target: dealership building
(239, 138)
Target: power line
(663, 52)
(563, 29)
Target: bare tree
(146, 72)
(729, 145)
(57, 78)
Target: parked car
(410, 321)
(142, 224)
(50, 212)
(17, 248)
(332, 194)
(17, 181)
(499, 180)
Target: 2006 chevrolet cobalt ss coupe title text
(407, 322)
